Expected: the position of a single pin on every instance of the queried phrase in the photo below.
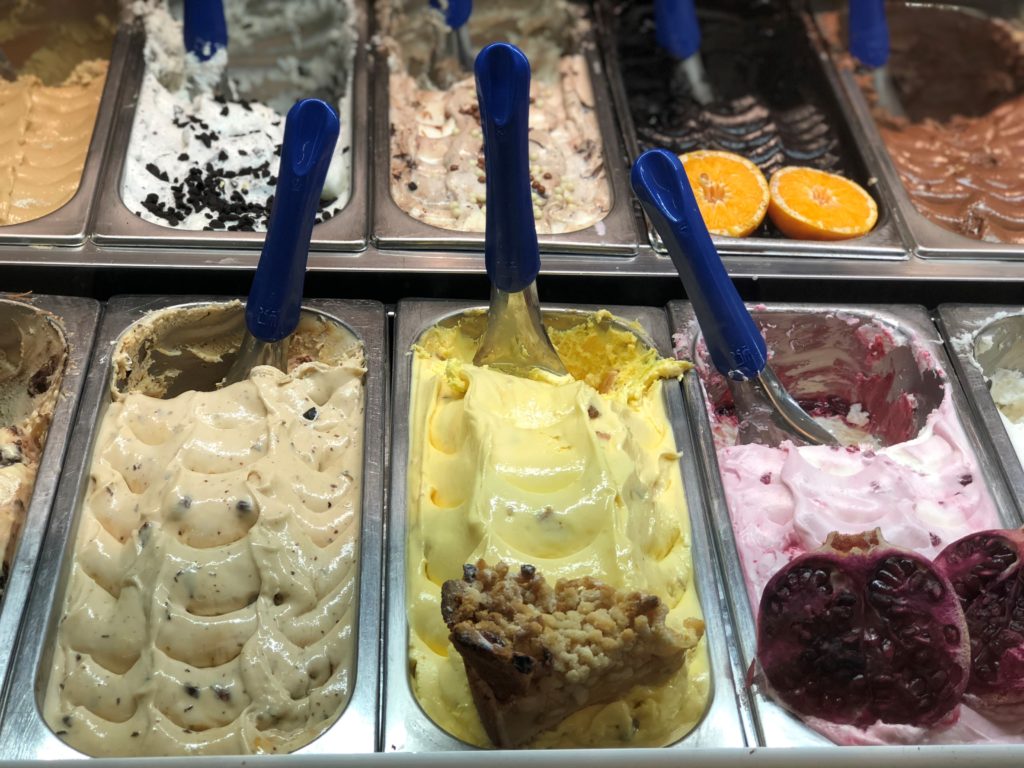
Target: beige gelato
(44, 139)
(33, 354)
(437, 161)
(213, 593)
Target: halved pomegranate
(860, 631)
(986, 572)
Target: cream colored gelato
(437, 161)
(33, 354)
(44, 138)
(575, 475)
(213, 593)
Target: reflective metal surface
(981, 339)
(76, 320)
(809, 324)
(116, 226)
(883, 242)
(69, 225)
(929, 240)
(394, 228)
(406, 728)
(23, 733)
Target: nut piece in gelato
(577, 475)
(437, 161)
(213, 589)
(33, 355)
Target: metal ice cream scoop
(205, 31)
(678, 32)
(767, 413)
(515, 341)
(456, 15)
(275, 298)
(869, 44)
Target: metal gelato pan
(70, 325)
(883, 242)
(23, 732)
(982, 339)
(392, 227)
(927, 238)
(115, 225)
(406, 727)
(69, 224)
(795, 333)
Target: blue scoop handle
(737, 348)
(869, 32)
(457, 13)
(206, 31)
(676, 27)
(511, 252)
(275, 299)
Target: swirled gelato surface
(960, 78)
(765, 106)
(44, 138)
(33, 354)
(576, 475)
(437, 161)
(199, 159)
(213, 590)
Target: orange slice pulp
(808, 204)
(731, 191)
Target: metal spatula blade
(767, 412)
(275, 299)
(869, 44)
(515, 341)
(678, 32)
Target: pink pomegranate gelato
(906, 467)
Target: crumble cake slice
(535, 654)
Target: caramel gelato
(212, 596)
(577, 476)
(437, 161)
(44, 139)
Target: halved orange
(731, 191)
(808, 204)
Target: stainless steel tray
(115, 225)
(76, 318)
(24, 734)
(928, 239)
(960, 325)
(394, 228)
(406, 727)
(69, 224)
(776, 727)
(883, 242)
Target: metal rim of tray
(393, 228)
(405, 726)
(116, 226)
(776, 727)
(23, 732)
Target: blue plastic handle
(457, 13)
(275, 299)
(737, 347)
(206, 31)
(869, 32)
(510, 243)
(676, 27)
